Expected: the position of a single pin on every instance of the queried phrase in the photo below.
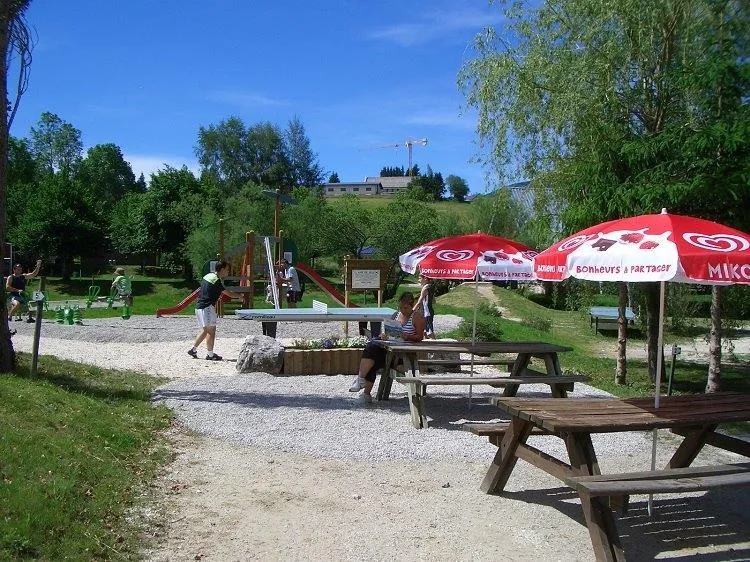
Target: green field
(461, 209)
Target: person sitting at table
(373, 356)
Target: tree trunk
(714, 344)
(622, 334)
(652, 327)
(7, 354)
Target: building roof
(395, 181)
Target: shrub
(488, 329)
(538, 323)
(488, 309)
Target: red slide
(323, 284)
(183, 304)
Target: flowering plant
(332, 342)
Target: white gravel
(293, 468)
(262, 410)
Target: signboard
(37, 296)
(365, 279)
(365, 275)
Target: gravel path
(295, 468)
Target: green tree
(305, 169)
(21, 179)
(106, 173)
(235, 154)
(392, 172)
(347, 226)
(128, 232)
(457, 187)
(334, 178)
(401, 225)
(431, 182)
(174, 206)
(498, 214)
(56, 144)
(599, 97)
(60, 222)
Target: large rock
(260, 353)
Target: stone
(260, 354)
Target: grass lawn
(78, 448)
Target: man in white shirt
(293, 288)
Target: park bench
(457, 363)
(417, 387)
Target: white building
(372, 186)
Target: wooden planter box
(344, 361)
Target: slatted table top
(605, 415)
(531, 347)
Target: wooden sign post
(364, 275)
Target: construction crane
(408, 143)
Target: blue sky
(146, 74)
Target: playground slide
(323, 284)
(183, 304)
(180, 306)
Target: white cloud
(436, 25)
(149, 164)
(244, 99)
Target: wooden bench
(417, 387)
(496, 431)
(457, 363)
(597, 489)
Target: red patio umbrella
(659, 247)
(471, 256)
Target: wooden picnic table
(695, 417)
(520, 372)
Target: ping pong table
(377, 314)
(605, 317)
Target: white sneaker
(357, 385)
(365, 398)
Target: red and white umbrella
(469, 256)
(649, 248)
(645, 248)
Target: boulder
(260, 353)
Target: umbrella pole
(657, 392)
(474, 330)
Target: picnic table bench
(450, 363)
(574, 420)
(520, 372)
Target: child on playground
(15, 285)
(121, 284)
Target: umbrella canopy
(469, 256)
(661, 247)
